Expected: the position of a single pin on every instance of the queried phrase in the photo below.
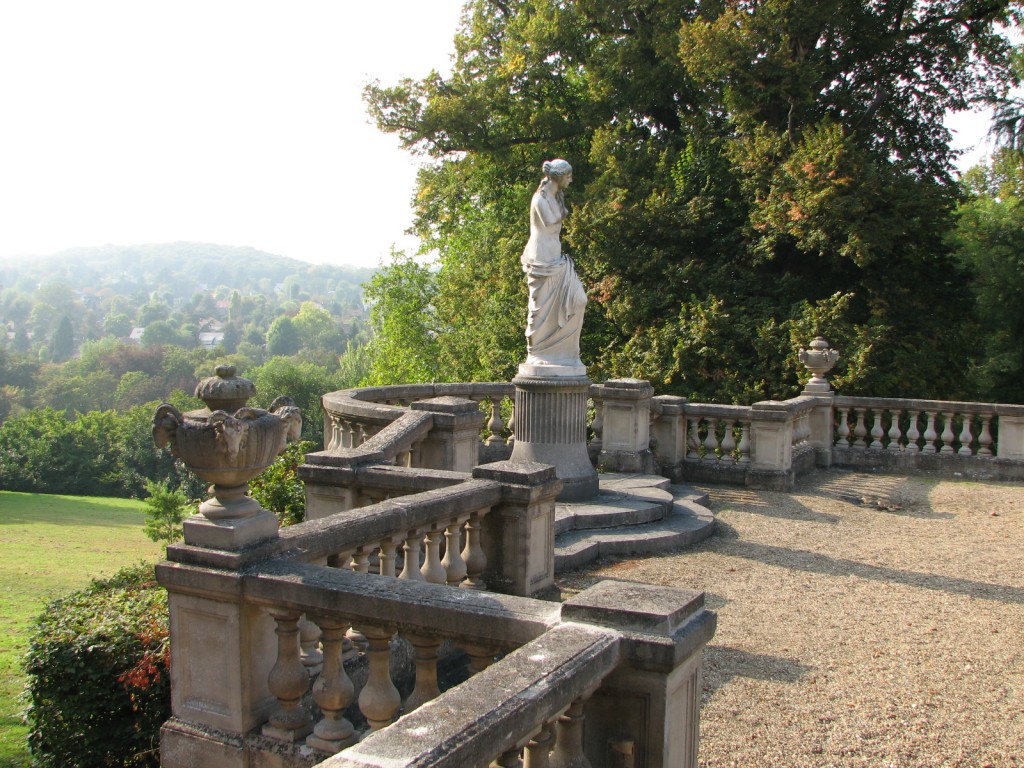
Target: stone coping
(939, 406)
(496, 709)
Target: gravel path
(863, 620)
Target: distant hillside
(181, 269)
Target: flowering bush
(98, 674)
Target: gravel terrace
(863, 620)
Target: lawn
(52, 545)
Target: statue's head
(557, 167)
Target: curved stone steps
(633, 514)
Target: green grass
(52, 545)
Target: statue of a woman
(557, 298)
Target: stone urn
(819, 360)
(227, 444)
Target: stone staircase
(632, 514)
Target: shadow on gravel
(813, 562)
(877, 492)
(722, 664)
(753, 503)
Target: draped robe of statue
(557, 298)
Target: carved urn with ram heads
(227, 443)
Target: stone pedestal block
(625, 441)
(519, 534)
(551, 428)
(821, 424)
(453, 442)
(652, 700)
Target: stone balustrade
(466, 427)
(982, 440)
(260, 637)
(765, 445)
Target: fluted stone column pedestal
(551, 428)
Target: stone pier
(551, 428)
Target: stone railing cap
(635, 607)
(628, 384)
(446, 404)
(518, 472)
(344, 457)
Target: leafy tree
(314, 325)
(990, 240)
(744, 172)
(279, 489)
(162, 332)
(165, 512)
(117, 325)
(63, 344)
(282, 338)
(403, 319)
(152, 312)
(305, 382)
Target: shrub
(279, 488)
(165, 511)
(98, 674)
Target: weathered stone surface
(550, 428)
(496, 709)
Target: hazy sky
(222, 121)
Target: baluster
(711, 441)
(693, 438)
(843, 430)
(894, 430)
(913, 435)
(360, 434)
(332, 691)
(288, 681)
(403, 459)
(985, 438)
(508, 759)
(495, 425)
(360, 564)
(341, 560)
(511, 426)
(728, 442)
(345, 433)
(860, 431)
(335, 441)
(387, 557)
(539, 747)
(361, 560)
(744, 444)
(947, 433)
(473, 554)
(930, 435)
(454, 565)
(426, 688)
(568, 751)
(480, 657)
(379, 700)
(411, 558)
(965, 435)
(432, 570)
(876, 431)
(309, 646)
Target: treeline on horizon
(78, 393)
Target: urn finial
(819, 359)
(225, 391)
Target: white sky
(240, 123)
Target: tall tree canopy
(748, 174)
